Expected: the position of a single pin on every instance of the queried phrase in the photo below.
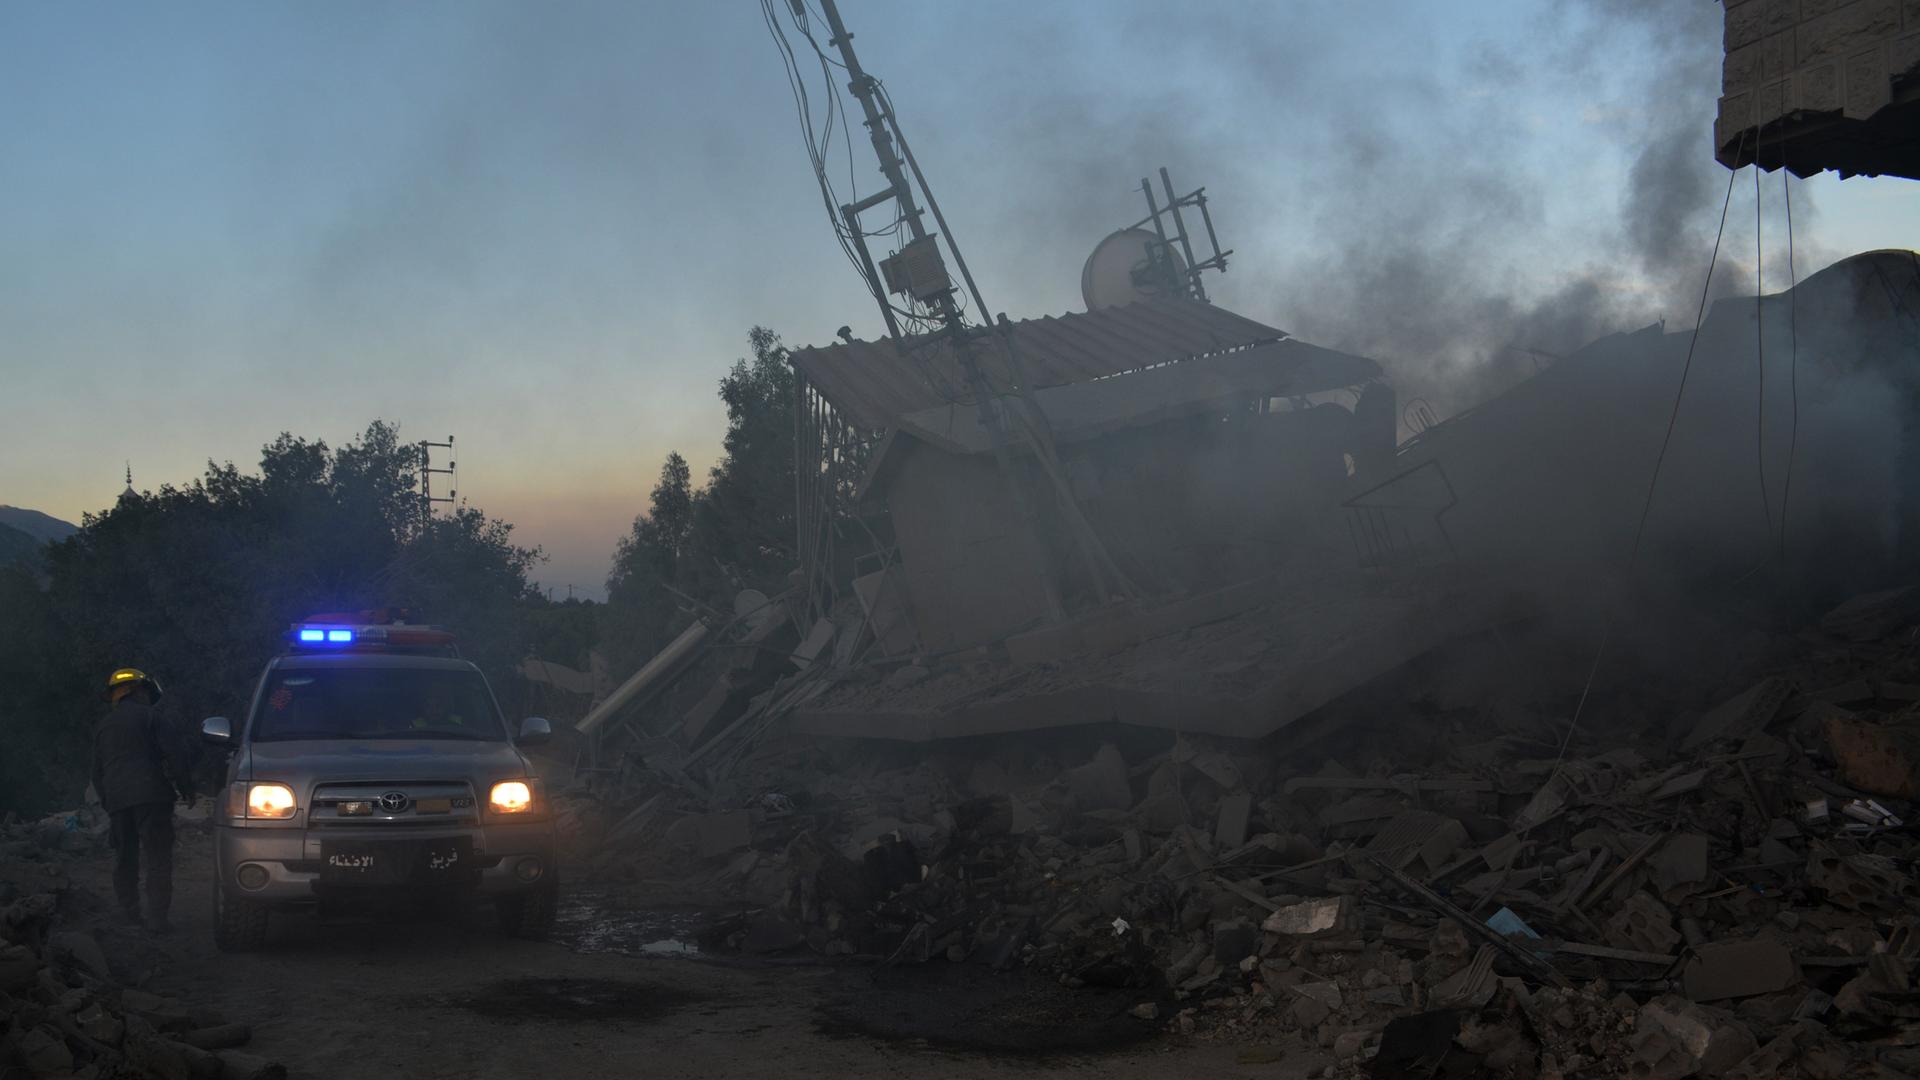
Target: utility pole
(428, 472)
(919, 270)
(898, 189)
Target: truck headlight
(511, 797)
(270, 801)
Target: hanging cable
(1793, 362)
(1659, 461)
(1760, 350)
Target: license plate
(433, 806)
(395, 862)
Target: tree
(198, 585)
(645, 562)
(707, 545)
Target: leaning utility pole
(927, 276)
(919, 271)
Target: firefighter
(140, 764)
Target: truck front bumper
(284, 865)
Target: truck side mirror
(216, 729)
(534, 730)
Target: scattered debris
(1721, 898)
(62, 1010)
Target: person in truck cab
(437, 710)
(139, 765)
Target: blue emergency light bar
(331, 634)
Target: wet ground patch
(585, 1000)
(964, 1007)
(590, 921)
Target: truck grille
(387, 802)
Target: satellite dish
(1123, 269)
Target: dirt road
(427, 998)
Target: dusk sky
(546, 228)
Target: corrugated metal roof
(872, 384)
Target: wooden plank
(1604, 952)
(1248, 893)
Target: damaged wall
(1817, 84)
(1214, 499)
(975, 571)
(1184, 505)
(1554, 473)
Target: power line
(1653, 482)
(1793, 362)
(1760, 352)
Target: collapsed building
(1281, 549)
(1273, 705)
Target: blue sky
(546, 228)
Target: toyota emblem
(394, 801)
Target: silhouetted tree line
(698, 547)
(197, 585)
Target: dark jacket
(138, 758)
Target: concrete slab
(1230, 831)
(1311, 648)
(1735, 969)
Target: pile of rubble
(63, 1010)
(1727, 893)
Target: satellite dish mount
(1154, 256)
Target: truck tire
(529, 914)
(238, 925)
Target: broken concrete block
(810, 647)
(82, 949)
(1862, 995)
(1710, 1041)
(1189, 962)
(1418, 841)
(1680, 862)
(1314, 917)
(1552, 797)
(1309, 1013)
(1102, 784)
(1230, 831)
(1771, 1060)
(1326, 993)
(1880, 759)
(1735, 969)
(1211, 764)
(1643, 924)
(1745, 714)
(1348, 1044)
(1870, 884)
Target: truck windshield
(376, 703)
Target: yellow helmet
(126, 680)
